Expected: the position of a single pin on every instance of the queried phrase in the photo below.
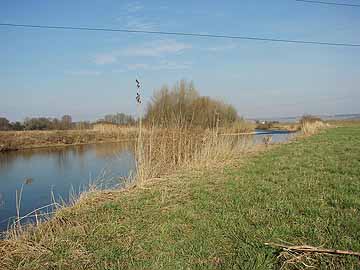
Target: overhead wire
(184, 34)
(328, 3)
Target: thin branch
(306, 248)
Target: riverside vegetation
(204, 201)
(19, 140)
(305, 192)
(180, 107)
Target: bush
(182, 106)
(311, 124)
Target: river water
(63, 173)
(59, 172)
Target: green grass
(306, 192)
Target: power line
(181, 34)
(328, 3)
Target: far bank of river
(20, 140)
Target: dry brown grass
(166, 150)
(239, 126)
(310, 128)
(312, 124)
(17, 140)
(287, 126)
(113, 128)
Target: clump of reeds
(311, 124)
(238, 126)
(166, 150)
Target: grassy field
(306, 192)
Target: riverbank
(21, 140)
(290, 127)
(305, 192)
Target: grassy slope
(306, 192)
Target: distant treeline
(182, 106)
(65, 123)
(119, 119)
(39, 123)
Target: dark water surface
(70, 170)
(64, 172)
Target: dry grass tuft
(310, 128)
(311, 125)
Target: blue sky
(90, 74)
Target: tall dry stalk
(309, 128)
(139, 151)
(18, 205)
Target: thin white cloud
(164, 65)
(84, 73)
(134, 21)
(150, 49)
(172, 66)
(157, 48)
(138, 66)
(105, 58)
(130, 17)
(138, 23)
(222, 48)
(119, 71)
(134, 7)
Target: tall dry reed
(166, 150)
(311, 124)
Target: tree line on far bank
(37, 123)
(64, 123)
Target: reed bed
(312, 127)
(166, 150)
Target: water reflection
(271, 137)
(59, 171)
(6, 159)
(28, 181)
(2, 201)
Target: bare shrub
(182, 106)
